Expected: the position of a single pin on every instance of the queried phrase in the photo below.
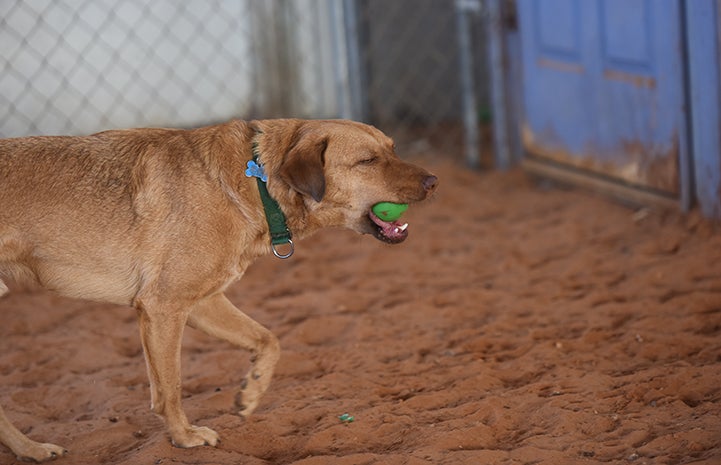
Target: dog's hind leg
(12, 249)
(24, 447)
(218, 317)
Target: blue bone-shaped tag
(256, 170)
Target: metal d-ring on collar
(286, 255)
(279, 232)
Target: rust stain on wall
(560, 65)
(636, 80)
(632, 161)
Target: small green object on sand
(388, 211)
(346, 418)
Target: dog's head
(338, 170)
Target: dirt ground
(520, 323)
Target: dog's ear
(303, 165)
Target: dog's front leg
(161, 331)
(218, 317)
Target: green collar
(279, 232)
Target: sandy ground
(518, 324)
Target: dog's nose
(430, 183)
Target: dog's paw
(195, 436)
(246, 402)
(38, 452)
(251, 390)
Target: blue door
(603, 88)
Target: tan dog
(164, 220)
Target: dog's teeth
(403, 228)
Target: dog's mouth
(392, 232)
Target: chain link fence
(71, 67)
(81, 66)
(413, 89)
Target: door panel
(603, 87)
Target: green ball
(388, 211)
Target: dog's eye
(367, 161)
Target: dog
(164, 220)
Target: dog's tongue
(390, 231)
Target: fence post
(468, 93)
(356, 69)
(497, 69)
